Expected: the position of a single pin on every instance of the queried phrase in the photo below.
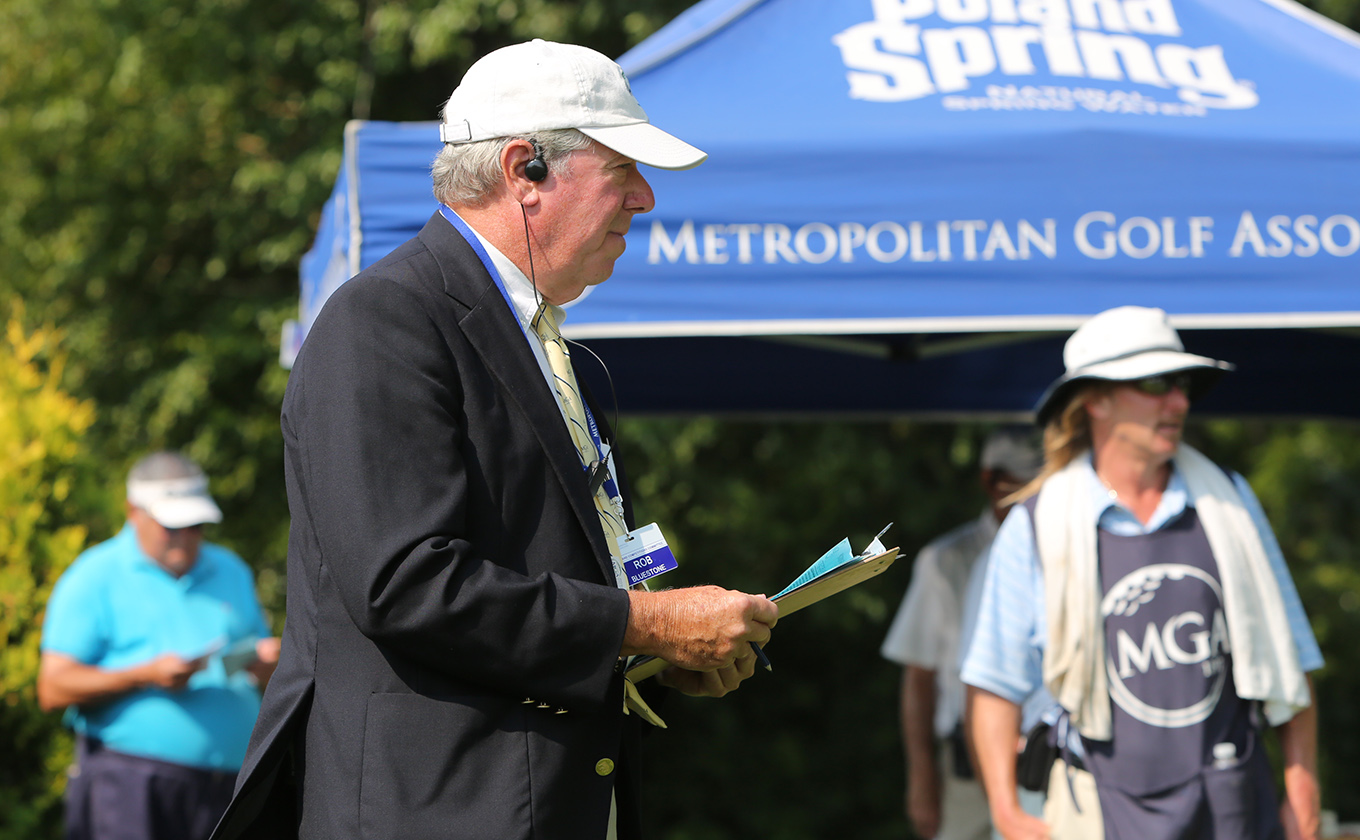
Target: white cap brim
(175, 502)
(185, 512)
(645, 143)
(1129, 368)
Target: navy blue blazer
(445, 563)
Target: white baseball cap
(175, 502)
(540, 86)
(1124, 344)
(1014, 449)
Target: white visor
(175, 502)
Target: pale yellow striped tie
(547, 323)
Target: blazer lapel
(494, 331)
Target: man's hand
(266, 660)
(1012, 823)
(267, 650)
(704, 630)
(709, 683)
(170, 671)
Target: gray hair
(164, 466)
(466, 173)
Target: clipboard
(802, 593)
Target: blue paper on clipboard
(838, 557)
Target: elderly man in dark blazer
(458, 621)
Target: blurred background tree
(1344, 11)
(164, 165)
(52, 496)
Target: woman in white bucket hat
(1141, 584)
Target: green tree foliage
(51, 498)
(1343, 11)
(161, 162)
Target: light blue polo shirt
(115, 608)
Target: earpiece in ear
(536, 169)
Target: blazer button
(604, 767)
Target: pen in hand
(761, 657)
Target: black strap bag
(1035, 761)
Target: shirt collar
(987, 523)
(133, 549)
(1175, 499)
(524, 298)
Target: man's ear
(986, 478)
(514, 157)
(1098, 406)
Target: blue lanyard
(611, 488)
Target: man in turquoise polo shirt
(155, 644)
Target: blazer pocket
(451, 769)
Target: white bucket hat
(540, 86)
(1124, 344)
(175, 502)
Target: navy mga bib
(1185, 759)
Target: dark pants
(114, 796)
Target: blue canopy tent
(908, 203)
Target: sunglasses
(1160, 386)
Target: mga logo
(916, 48)
(1166, 638)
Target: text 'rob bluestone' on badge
(645, 554)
